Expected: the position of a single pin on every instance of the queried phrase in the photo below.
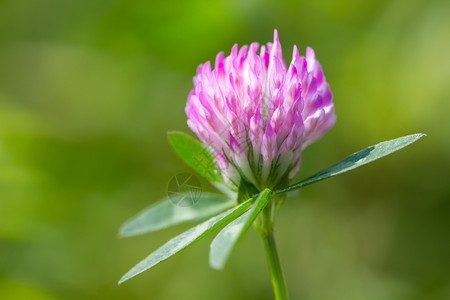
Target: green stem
(273, 261)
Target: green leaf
(228, 237)
(356, 160)
(194, 154)
(186, 239)
(166, 213)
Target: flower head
(257, 114)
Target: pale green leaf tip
(216, 266)
(123, 234)
(416, 136)
(127, 276)
(122, 280)
(122, 230)
(419, 135)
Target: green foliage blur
(89, 89)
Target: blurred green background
(89, 89)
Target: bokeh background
(89, 89)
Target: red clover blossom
(257, 114)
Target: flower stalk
(264, 226)
(275, 269)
